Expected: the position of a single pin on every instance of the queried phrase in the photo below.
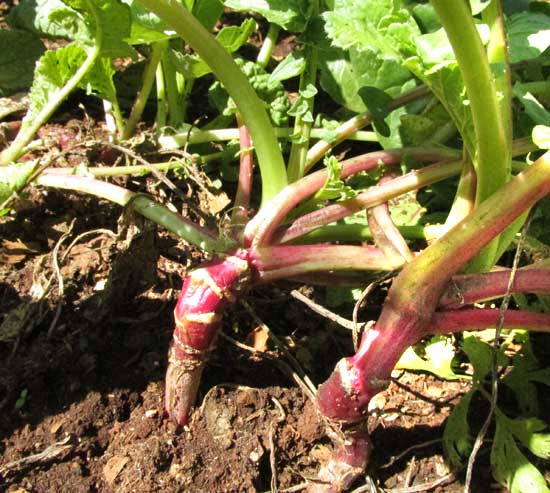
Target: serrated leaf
(17, 65)
(292, 66)
(112, 17)
(14, 177)
(528, 35)
(382, 25)
(334, 187)
(526, 371)
(510, 467)
(56, 67)
(457, 437)
(291, 15)
(34, 16)
(445, 80)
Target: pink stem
(206, 293)
(279, 262)
(471, 288)
(260, 229)
(241, 205)
(374, 196)
(386, 235)
(484, 318)
(411, 302)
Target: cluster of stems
(428, 296)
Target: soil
(81, 380)
(86, 295)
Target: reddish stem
(372, 197)
(280, 262)
(386, 235)
(206, 293)
(470, 288)
(484, 318)
(414, 295)
(241, 205)
(260, 230)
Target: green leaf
(334, 187)
(56, 67)
(529, 432)
(457, 437)
(445, 80)
(434, 47)
(536, 111)
(420, 129)
(383, 26)
(34, 16)
(207, 12)
(541, 136)
(112, 17)
(437, 359)
(426, 17)
(273, 94)
(528, 35)
(377, 102)
(146, 27)
(526, 373)
(19, 52)
(480, 355)
(233, 37)
(291, 15)
(510, 467)
(292, 66)
(14, 177)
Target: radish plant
(439, 83)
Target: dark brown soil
(88, 396)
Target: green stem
(428, 274)
(162, 105)
(270, 159)
(146, 87)
(359, 232)
(491, 157)
(138, 169)
(175, 106)
(15, 150)
(267, 46)
(316, 153)
(143, 204)
(198, 136)
(302, 127)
